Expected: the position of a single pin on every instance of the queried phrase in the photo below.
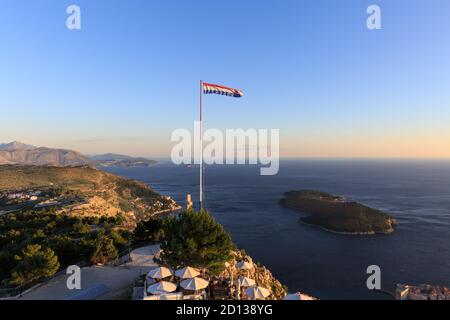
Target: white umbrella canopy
(244, 265)
(162, 287)
(257, 292)
(245, 282)
(159, 273)
(298, 296)
(194, 284)
(187, 273)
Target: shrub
(34, 263)
(118, 240)
(81, 228)
(150, 230)
(67, 249)
(104, 249)
(197, 240)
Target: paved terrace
(99, 282)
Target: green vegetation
(195, 239)
(335, 213)
(35, 243)
(92, 221)
(104, 249)
(149, 231)
(34, 263)
(189, 239)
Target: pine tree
(104, 249)
(34, 263)
(150, 230)
(196, 240)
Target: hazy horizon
(167, 158)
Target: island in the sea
(119, 160)
(338, 214)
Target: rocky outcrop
(422, 292)
(262, 276)
(4, 161)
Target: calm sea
(307, 259)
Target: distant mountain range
(20, 153)
(15, 145)
(24, 154)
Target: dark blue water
(307, 259)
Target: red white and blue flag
(209, 88)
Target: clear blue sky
(310, 68)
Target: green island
(337, 214)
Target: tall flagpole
(201, 145)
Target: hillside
(335, 213)
(52, 217)
(103, 194)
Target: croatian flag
(209, 88)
